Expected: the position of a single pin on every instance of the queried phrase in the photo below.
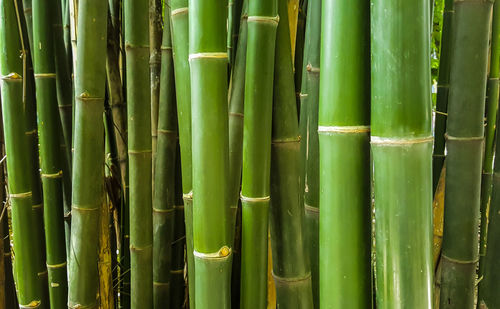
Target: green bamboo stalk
(211, 218)
(19, 165)
(8, 288)
(177, 285)
(464, 143)
(180, 48)
(164, 193)
(31, 131)
(88, 156)
(309, 144)
(139, 150)
(255, 188)
(300, 54)
(50, 152)
(401, 145)
(236, 109)
(488, 296)
(489, 150)
(235, 8)
(443, 90)
(155, 33)
(343, 127)
(291, 269)
(67, 32)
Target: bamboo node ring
(32, 304)
(208, 55)
(188, 196)
(264, 19)
(12, 77)
(464, 139)
(60, 265)
(343, 129)
(398, 141)
(55, 175)
(254, 199)
(179, 11)
(21, 195)
(45, 75)
(223, 252)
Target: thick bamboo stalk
(139, 151)
(343, 128)
(49, 126)
(211, 217)
(164, 192)
(291, 269)
(180, 48)
(88, 156)
(155, 41)
(464, 144)
(255, 188)
(489, 150)
(401, 145)
(443, 90)
(17, 146)
(309, 143)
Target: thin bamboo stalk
(291, 269)
(49, 125)
(177, 286)
(489, 150)
(464, 144)
(10, 288)
(443, 90)
(300, 56)
(17, 146)
(155, 57)
(309, 143)
(210, 148)
(401, 145)
(255, 188)
(88, 156)
(233, 22)
(139, 151)
(180, 48)
(164, 193)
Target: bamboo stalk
(233, 22)
(401, 145)
(255, 188)
(164, 193)
(50, 152)
(211, 218)
(180, 48)
(300, 56)
(343, 128)
(31, 131)
(291, 269)
(139, 151)
(464, 144)
(155, 57)
(489, 150)
(309, 144)
(88, 156)
(443, 90)
(177, 285)
(17, 146)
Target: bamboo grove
(249, 154)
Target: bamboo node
(286, 140)
(292, 279)
(166, 132)
(265, 19)
(177, 271)
(312, 69)
(162, 210)
(32, 304)
(178, 206)
(179, 11)
(303, 95)
(12, 77)
(254, 199)
(188, 196)
(86, 97)
(310, 208)
(223, 252)
(452, 260)
(30, 132)
(240, 115)
(55, 175)
(398, 141)
(161, 283)
(20, 195)
(37, 206)
(60, 265)
(75, 207)
(129, 46)
(343, 129)
(464, 139)
(45, 75)
(208, 55)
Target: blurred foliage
(437, 28)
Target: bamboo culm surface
(17, 146)
(164, 193)
(262, 23)
(464, 144)
(401, 145)
(210, 142)
(88, 164)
